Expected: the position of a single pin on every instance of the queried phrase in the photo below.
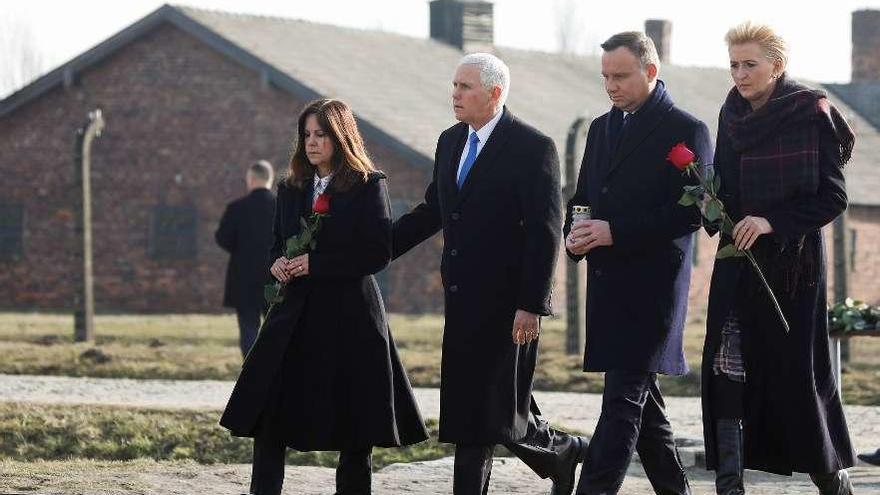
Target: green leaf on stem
(716, 184)
(713, 211)
(272, 293)
(727, 251)
(687, 199)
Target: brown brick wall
(183, 122)
(864, 264)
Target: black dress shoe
(871, 458)
(563, 479)
(833, 483)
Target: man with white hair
(496, 195)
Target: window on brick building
(11, 231)
(173, 232)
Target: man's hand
(525, 327)
(589, 234)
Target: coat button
(454, 252)
(453, 288)
(597, 272)
(604, 189)
(455, 216)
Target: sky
(819, 35)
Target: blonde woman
(770, 401)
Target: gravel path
(573, 410)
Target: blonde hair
(774, 47)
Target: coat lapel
(643, 124)
(451, 174)
(486, 160)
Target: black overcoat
(501, 237)
(245, 232)
(324, 371)
(793, 415)
(637, 289)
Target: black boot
(833, 483)
(729, 473)
(354, 472)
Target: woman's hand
(299, 266)
(281, 270)
(747, 231)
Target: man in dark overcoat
(638, 247)
(496, 195)
(245, 232)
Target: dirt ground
(424, 478)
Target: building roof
(399, 86)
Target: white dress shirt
(483, 134)
(320, 184)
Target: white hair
(493, 72)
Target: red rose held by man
(681, 156)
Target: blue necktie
(469, 159)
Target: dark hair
(350, 161)
(261, 169)
(637, 43)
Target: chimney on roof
(866, 45)
(464, 24)
(660, 32)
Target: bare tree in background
(569, 26)
(20, 59)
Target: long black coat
(501, 236)
(324, 371)
(793, 416)
(245, 231)
(637, 289)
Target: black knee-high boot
(833, 483)
(268, 468)
(354, 472)
(729, 442)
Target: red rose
(681, 156)
(322, 204)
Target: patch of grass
(206, 347)
(31, 432)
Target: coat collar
(642, 124)
(485, 160)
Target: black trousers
(633, 418)
(248, 326)
(539, 450)
(353, 473)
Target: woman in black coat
(770, 401)
(324, 372)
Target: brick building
(191, 97)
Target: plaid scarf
(777, 150)
(779, 143)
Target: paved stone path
(572, 410)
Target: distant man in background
(245, 232)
